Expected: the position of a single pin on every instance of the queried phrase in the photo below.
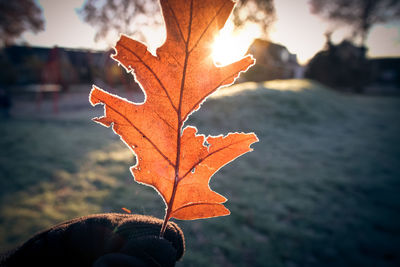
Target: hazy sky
(301, 32)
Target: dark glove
(102, 240)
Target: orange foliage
(176, 161)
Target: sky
(301, 32)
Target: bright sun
(231, 45)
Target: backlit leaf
(174, 159)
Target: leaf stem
(164, 225)
(169, 206)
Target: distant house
(273, 61)
(39, 65)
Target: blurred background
(321, 188)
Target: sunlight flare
(231, 44)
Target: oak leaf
(176, 161)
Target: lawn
(321, 188)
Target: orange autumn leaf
(176, 161)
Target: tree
(111, 17)
(360, 15)
(261, 12)
(17, 17)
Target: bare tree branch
(360, 15)
(17, 17)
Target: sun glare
(231, 44)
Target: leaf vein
(176, 21)
(210, 154)
(154, 74)
(139, 131)
(206, 95)
(208, 26)
(194, 204)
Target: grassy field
(321, 188)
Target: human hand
(102, 240)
